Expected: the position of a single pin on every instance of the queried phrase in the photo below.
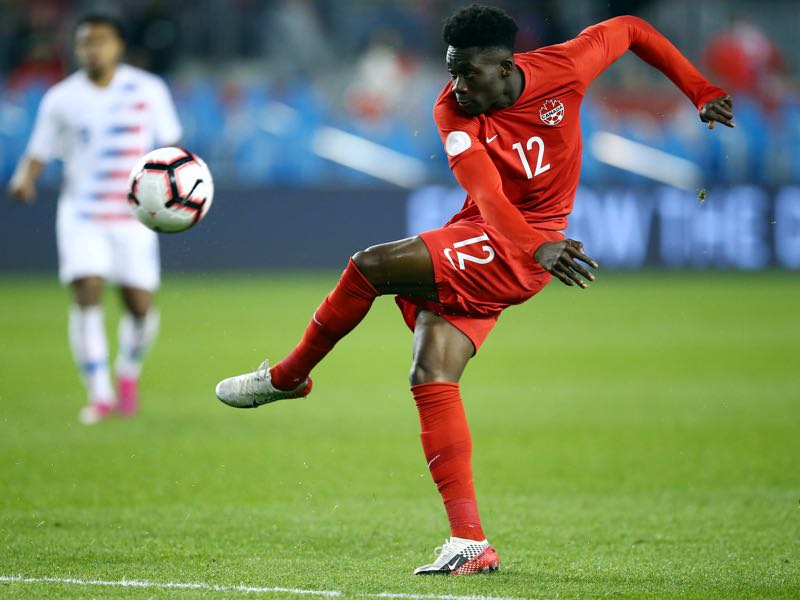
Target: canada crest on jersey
(551, 112)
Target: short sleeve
(167, 126)
(459, 131)
(44, 143)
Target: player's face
(479, 77)
(97, 47)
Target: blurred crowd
(255, 80)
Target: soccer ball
(170, 189)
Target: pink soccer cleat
(127, 396)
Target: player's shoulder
(550, 68)
(131, 74)
(65, 88)
(445, 100)
(554, 56)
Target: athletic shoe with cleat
(251, 390)
(128, 395)
(459, 556)
(95, 412)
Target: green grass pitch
(637, 440)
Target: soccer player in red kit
(510, 127)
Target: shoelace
(442, 550)
(261, 372)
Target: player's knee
(138, 310)
(137, 304)
(425, 372)
(87, 292)
(370, 262)
(87, 300)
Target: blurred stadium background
(324, 108)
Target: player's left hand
(21, 190)
(718, 110)
(561, 260)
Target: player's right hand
(22, 190)
(561, 260)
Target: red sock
(337, 316)
(448, 449)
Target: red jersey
(535, 144)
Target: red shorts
(478, 274)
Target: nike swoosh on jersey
(489, 140)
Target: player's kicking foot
(251, 390)
(95, 412)
(460, 556)
(128, 396)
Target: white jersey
(99, 133)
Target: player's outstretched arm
(600, 45)
(22, 186)
(561, 260)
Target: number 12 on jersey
(540, 168)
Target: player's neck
(102, 78)
(514, 86)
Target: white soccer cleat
(94, 413)
(459, 556)
(251, 390)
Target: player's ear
(506, 67)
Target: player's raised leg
(138, 328)
(401, 267)
(441, 353)
(87, 338)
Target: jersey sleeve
(43, 144)
(459, 131)
(167, 126)
(600, 45)
(478, 175)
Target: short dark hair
(102, 19)
(481, 26)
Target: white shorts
(121, 251)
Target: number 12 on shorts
(464, 258)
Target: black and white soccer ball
(170, 189)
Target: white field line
(435, 597)
(168, 585)
(247, 589)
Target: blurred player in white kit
(99, 121)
